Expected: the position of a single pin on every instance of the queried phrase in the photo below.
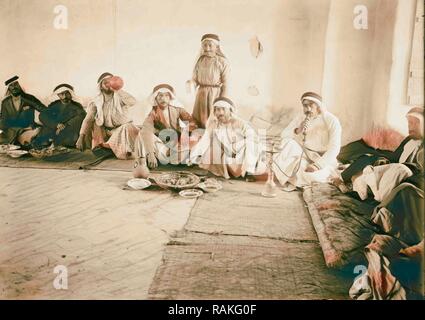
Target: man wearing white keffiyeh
(310, 145)
(168, 120)
(107, 123)
(211, 78)
(61, 120)
(230, 146)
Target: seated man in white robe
(310, 145)
(164, 136)
(230, 146)
(107, 123)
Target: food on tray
(177, 180)
(48, 152)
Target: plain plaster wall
(309, 45)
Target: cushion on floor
(342, 224)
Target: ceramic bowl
(191, 193)
(138, 184)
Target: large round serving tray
(178, 180)
(48, 152)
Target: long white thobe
(229, 149)
(321, 147)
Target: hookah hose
(297, 167)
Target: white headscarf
(7, 92)
(226, 103)
(202, 53)
(418, 113)
(165, 88)
(60, 89)
(311, 96)
(100, 99)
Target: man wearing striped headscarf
(210, 77)
(310, 146)
(108, 124)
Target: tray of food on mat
(178, 180)
(48, 152)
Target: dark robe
(14, 122)
(361, 155)
(71, 115)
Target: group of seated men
(229, 146)
(61, 120)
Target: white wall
(365, 76)
(148, 42)
(401, 53)
(309, 45)
(348, 73)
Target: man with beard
(309, 147)
(107, 124)
(61, 120)
(17, 114)
(230, 146)
(167, 120)
(210, 77)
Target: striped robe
(107, 121)
(211, 75)
(149, 137)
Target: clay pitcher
(140, 169)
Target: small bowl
(191, 193)
(5, 148)
(12, 147)
(17, 153)
(138, 184)
(210, 188)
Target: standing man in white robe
(310, 145)
(230, 146)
